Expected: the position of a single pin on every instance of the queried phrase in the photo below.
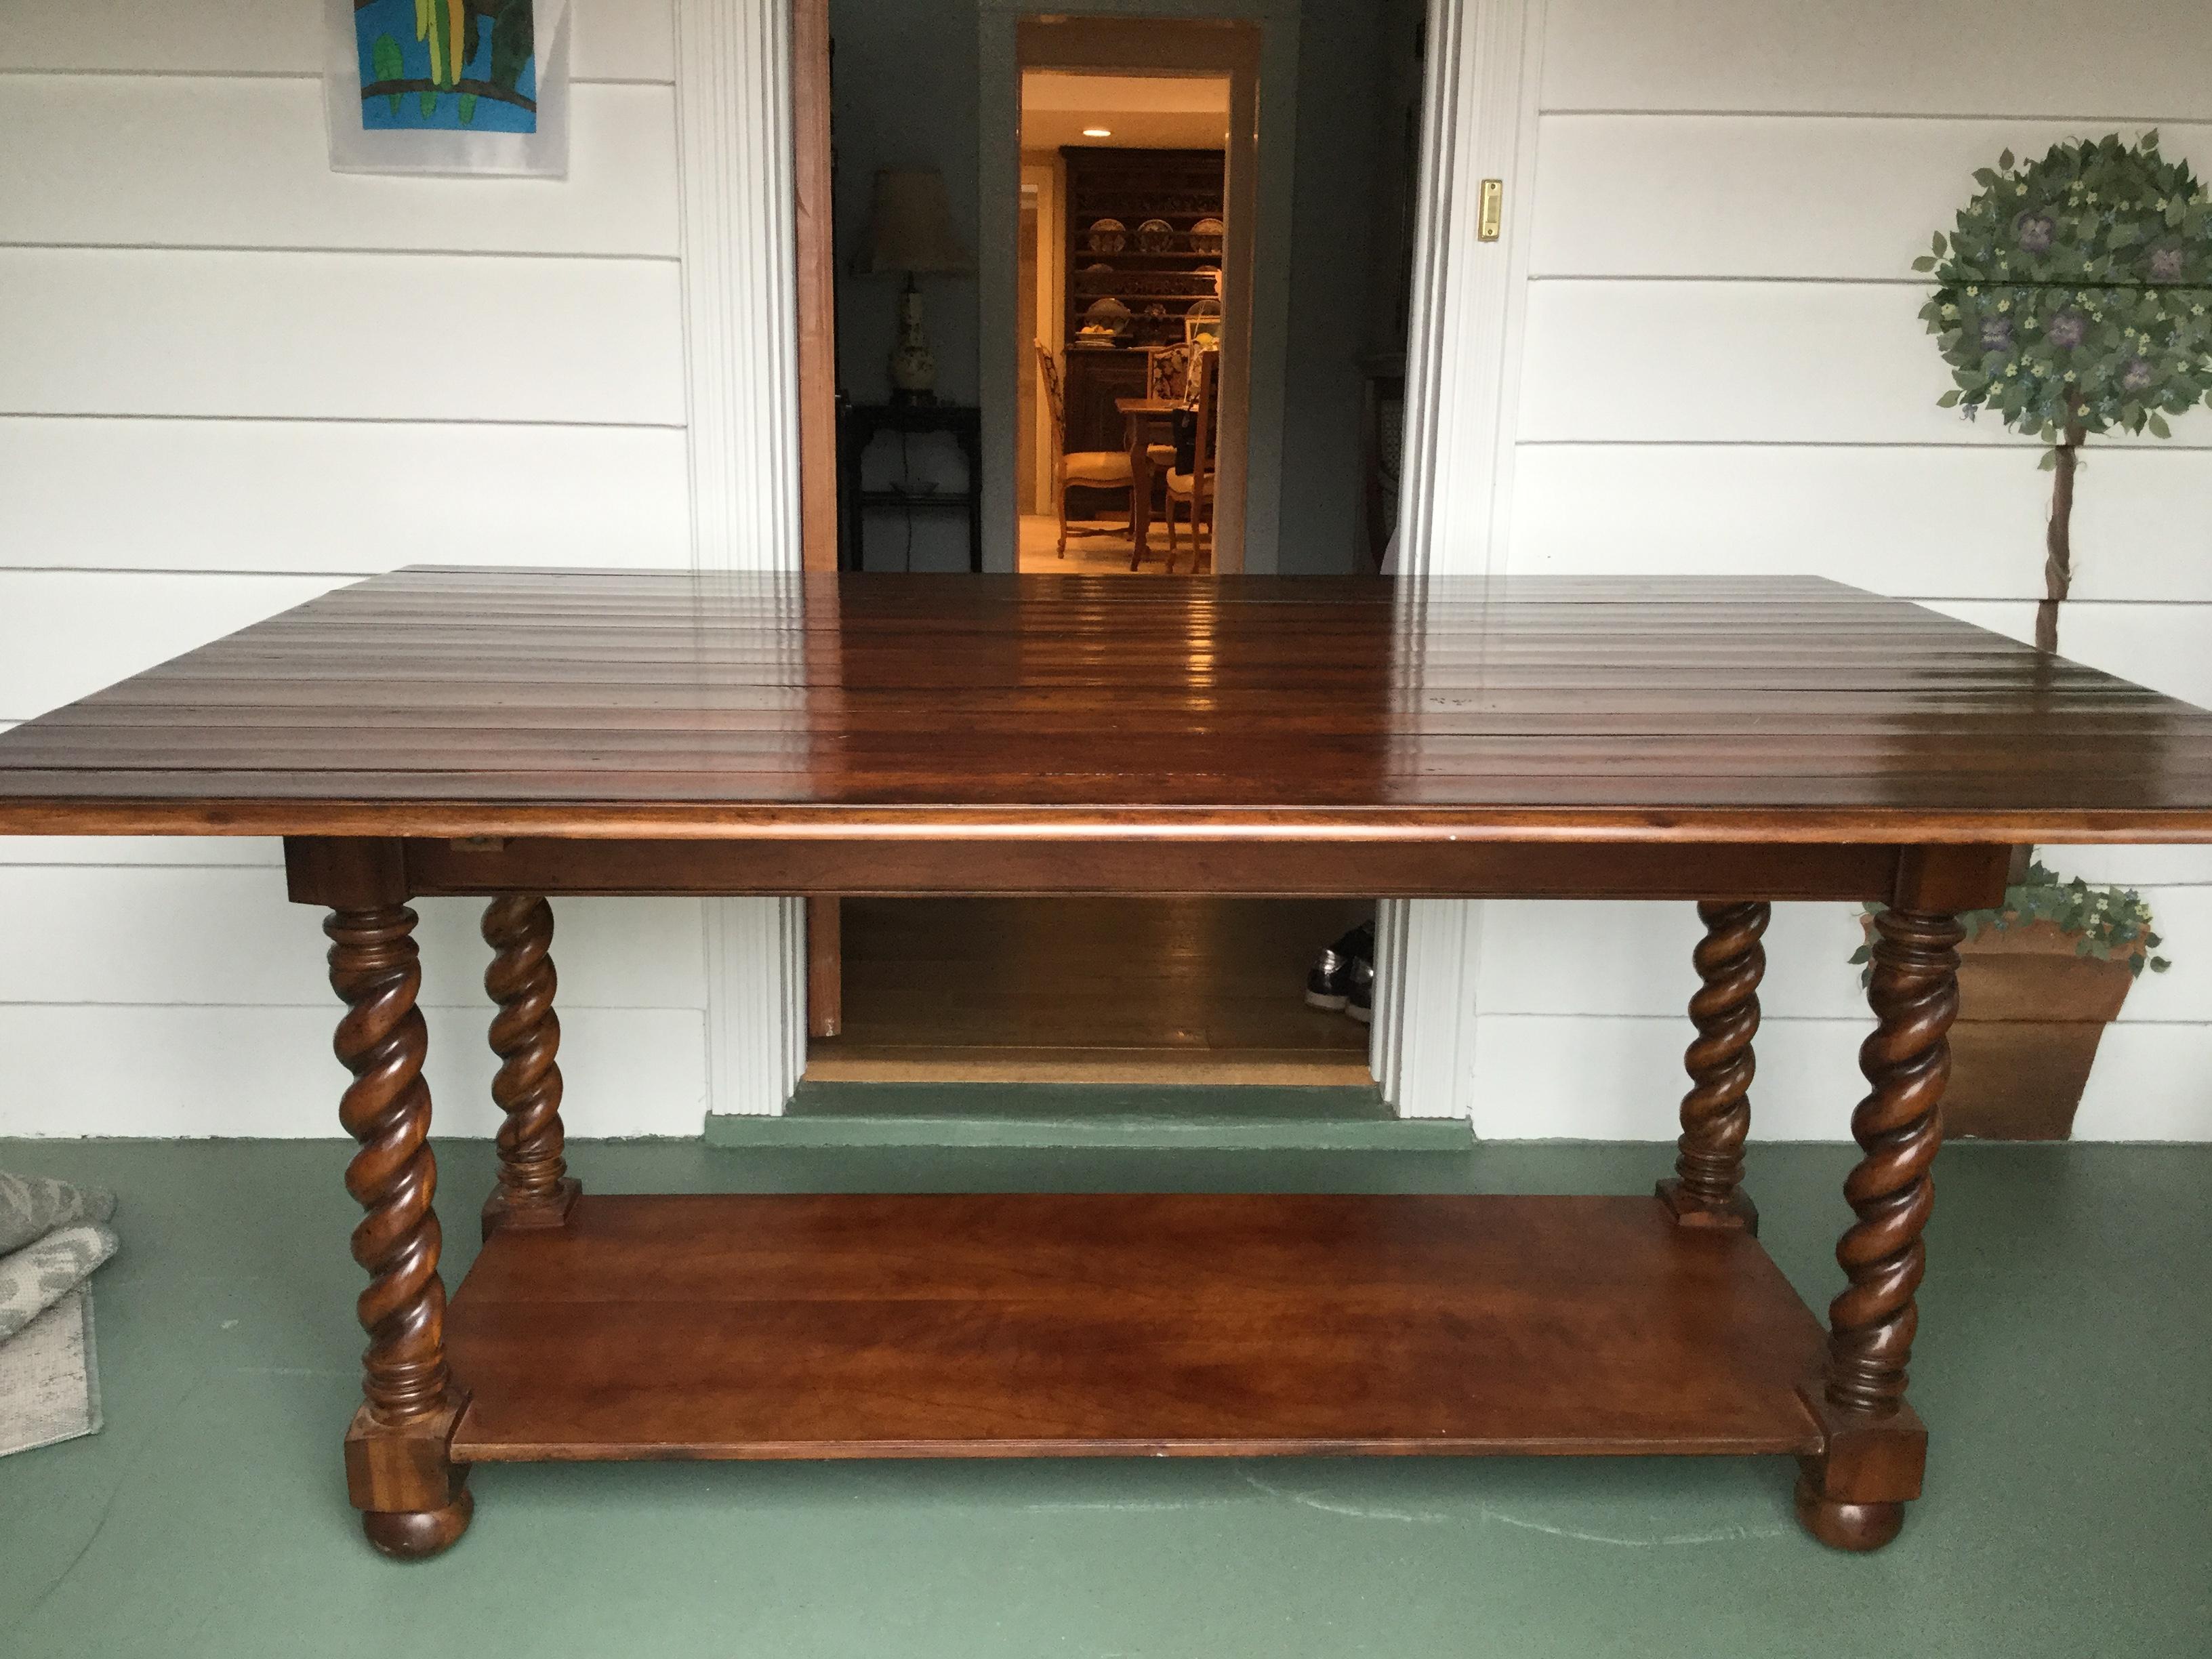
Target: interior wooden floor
(1096, 547)
(1128, 991)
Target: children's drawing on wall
(2073, 300)
(446, 64)
(448, 86)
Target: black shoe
(1343, 976)
(1329, 985)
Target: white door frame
(735, 155)
(1463, 393)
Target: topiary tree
(2075, 297)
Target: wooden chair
(1087, 469)
(1167, 372)
(1194, 489)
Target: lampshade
(910, 227)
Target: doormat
(49, 1381)
(51, 1237)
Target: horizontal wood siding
(344, 335)
(612, 40)
(1612, 1078)
(275, 497)
(214, 161)
(231, 379)
(1723, 373)
(176, 1069)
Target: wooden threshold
(843, 1062)
(808, 1325)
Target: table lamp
(910, 233)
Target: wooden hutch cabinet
(1163, 259)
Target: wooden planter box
(2032, 1012)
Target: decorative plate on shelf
(1109, 236)
(1156, 236)
(1206, 236)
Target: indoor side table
(515, 735)
(859, 425)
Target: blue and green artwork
(448, 65)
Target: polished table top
(457, 702)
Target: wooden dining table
(1145, 422)
(516, 736)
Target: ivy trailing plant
(2109, 923)
(2075, 297)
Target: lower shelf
(991, 1325)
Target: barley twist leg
(1708, 1186)
(534, 1187)
(1914, 990)
(412, 1498)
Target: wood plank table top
(1718, 710)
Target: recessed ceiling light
(1097, 132)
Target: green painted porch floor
(2065, 1369)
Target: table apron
(337, 870)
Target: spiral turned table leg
(1707, 1189)
(534, 1187)
(1853, 1497)
(412, 1498)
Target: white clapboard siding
(1745, 362)
(1557, 957)
(191, 1071)
(613, 39)
(1918, 522)
(1772, 196)
(1581, 1077)
(231, 379)
(2167, 648)
(257, 852)
(1723, 372)
(169, 851)
(213, 937)
(304, 496)
(2142, 59)
(2136, 867)
(2151, 1083)
(1617, 1079)
(1562, 957)
(101, 331)
(169, 161)
(67, 633)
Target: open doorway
(972, 175)
(1124, 253)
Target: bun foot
(418, 1534)
(1855, 1527)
